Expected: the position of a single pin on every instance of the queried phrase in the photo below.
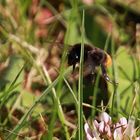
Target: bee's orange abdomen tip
(108, 61)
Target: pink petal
(101, 127)
(88, 132)
(108, 130)
(96, 124)
(89, 137)
(118, 133)
(105, 117)
(123, 122)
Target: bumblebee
(93, 58)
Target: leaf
(127, 73)
(9, 74)
(28, 100)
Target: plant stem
(80, 87)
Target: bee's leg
(105, 74)
(73, 68)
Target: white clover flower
(105, 129)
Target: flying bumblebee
(93, 58)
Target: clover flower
(105, 129)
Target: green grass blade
(80, 86)
(115, 98)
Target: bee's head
(74, 55)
